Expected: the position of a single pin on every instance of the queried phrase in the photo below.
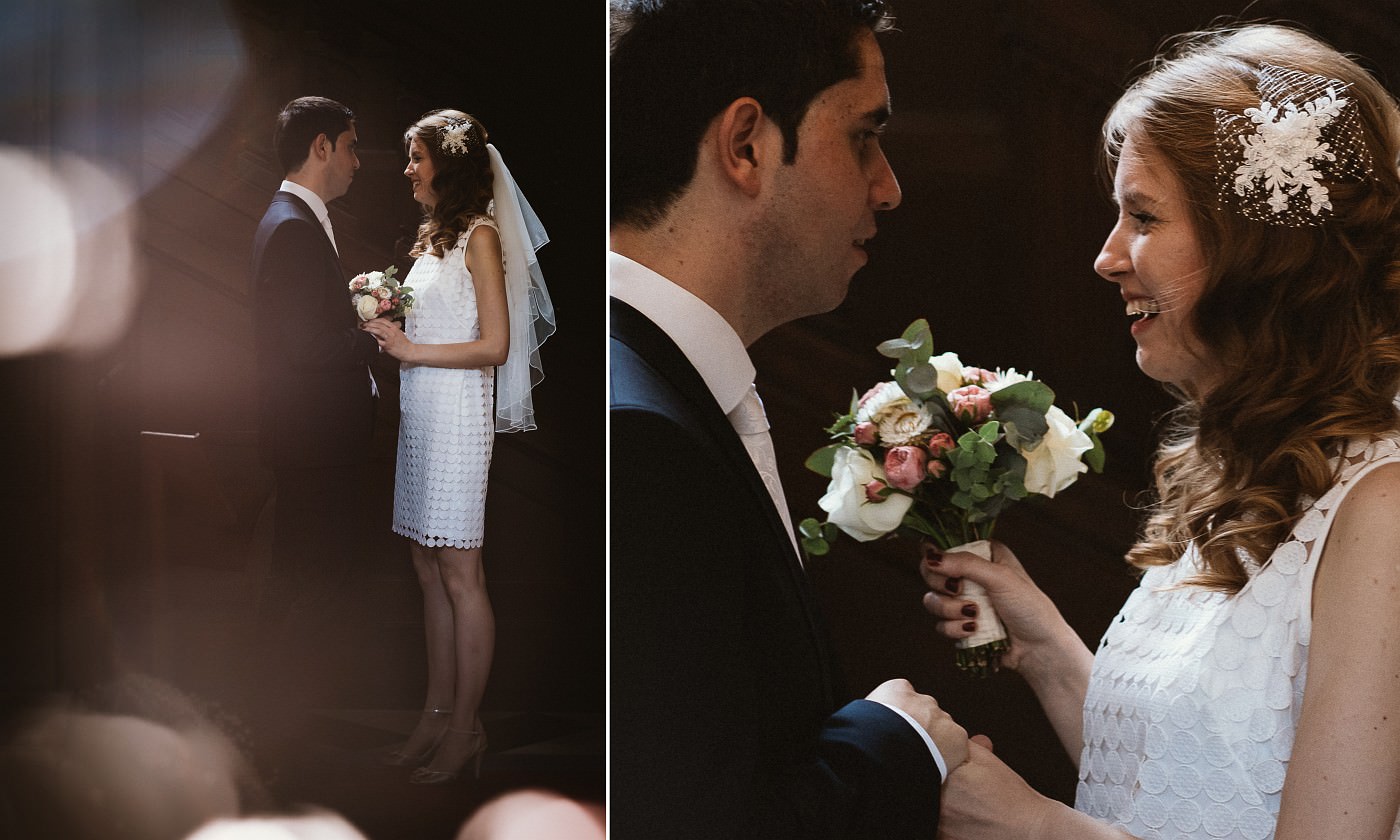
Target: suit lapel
(302, 209)
(651, 343)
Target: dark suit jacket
(315, 407)
(724, 708)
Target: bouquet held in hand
(938, 453)
(378, 294)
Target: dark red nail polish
(969, 626)
(952, 584)
(932, 555)
(969, 610)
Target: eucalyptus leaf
(894, 348)
(1030, 393)
(823, 460)
(920, 381)
(1025, 425)
(815, 546)
(920, 339)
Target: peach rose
(904, 466)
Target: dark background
(127, 553)
(122, 556)
(997, 108)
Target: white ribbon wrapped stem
(981, 652)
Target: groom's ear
(320, 148)
(744, 144)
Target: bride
(480, 313)
(1250, 685)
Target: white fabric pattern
(1194, 696)
(446, 431)
(751, 422)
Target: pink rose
(868, 394)
(979, 376)
(865, 433)
(904, 466)
(385, 306)
(940, 444)
(937, 469)
(971, 403)
(872, 490)
(358, 283)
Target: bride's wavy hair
(461, 181)
(1302, 323)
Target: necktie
(751, 423)
(330, 233)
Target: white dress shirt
(718, 354)
(317, 206)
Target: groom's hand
(947, 735)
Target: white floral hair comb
(1273, 162)
(458, 137)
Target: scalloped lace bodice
(1194, 695)
(446, 428)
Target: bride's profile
(469, 357)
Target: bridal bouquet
(938, 453)
(376, 294)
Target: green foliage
(822, 461)
(1022, 408)
(817, 537)
(912, 352)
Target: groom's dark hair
(675, 64)
(301, 121)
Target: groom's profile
(746, 177)
(315, 391)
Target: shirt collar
(701, 333)
(312, 200)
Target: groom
(746, 175)
(316, 394)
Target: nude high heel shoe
(399, 756)
(430, 776)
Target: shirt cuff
(928, 740)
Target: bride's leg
(437, 628)
(442, 661)
(474, 628)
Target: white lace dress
(1194, 696)
(446, 427)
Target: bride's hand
(1030, 617)
(390, 336)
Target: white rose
(366, 306)
(375, 279)
(950, 371)
(1055, 463)
(846, 504)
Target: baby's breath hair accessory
(1273, 162)
(458, 137)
